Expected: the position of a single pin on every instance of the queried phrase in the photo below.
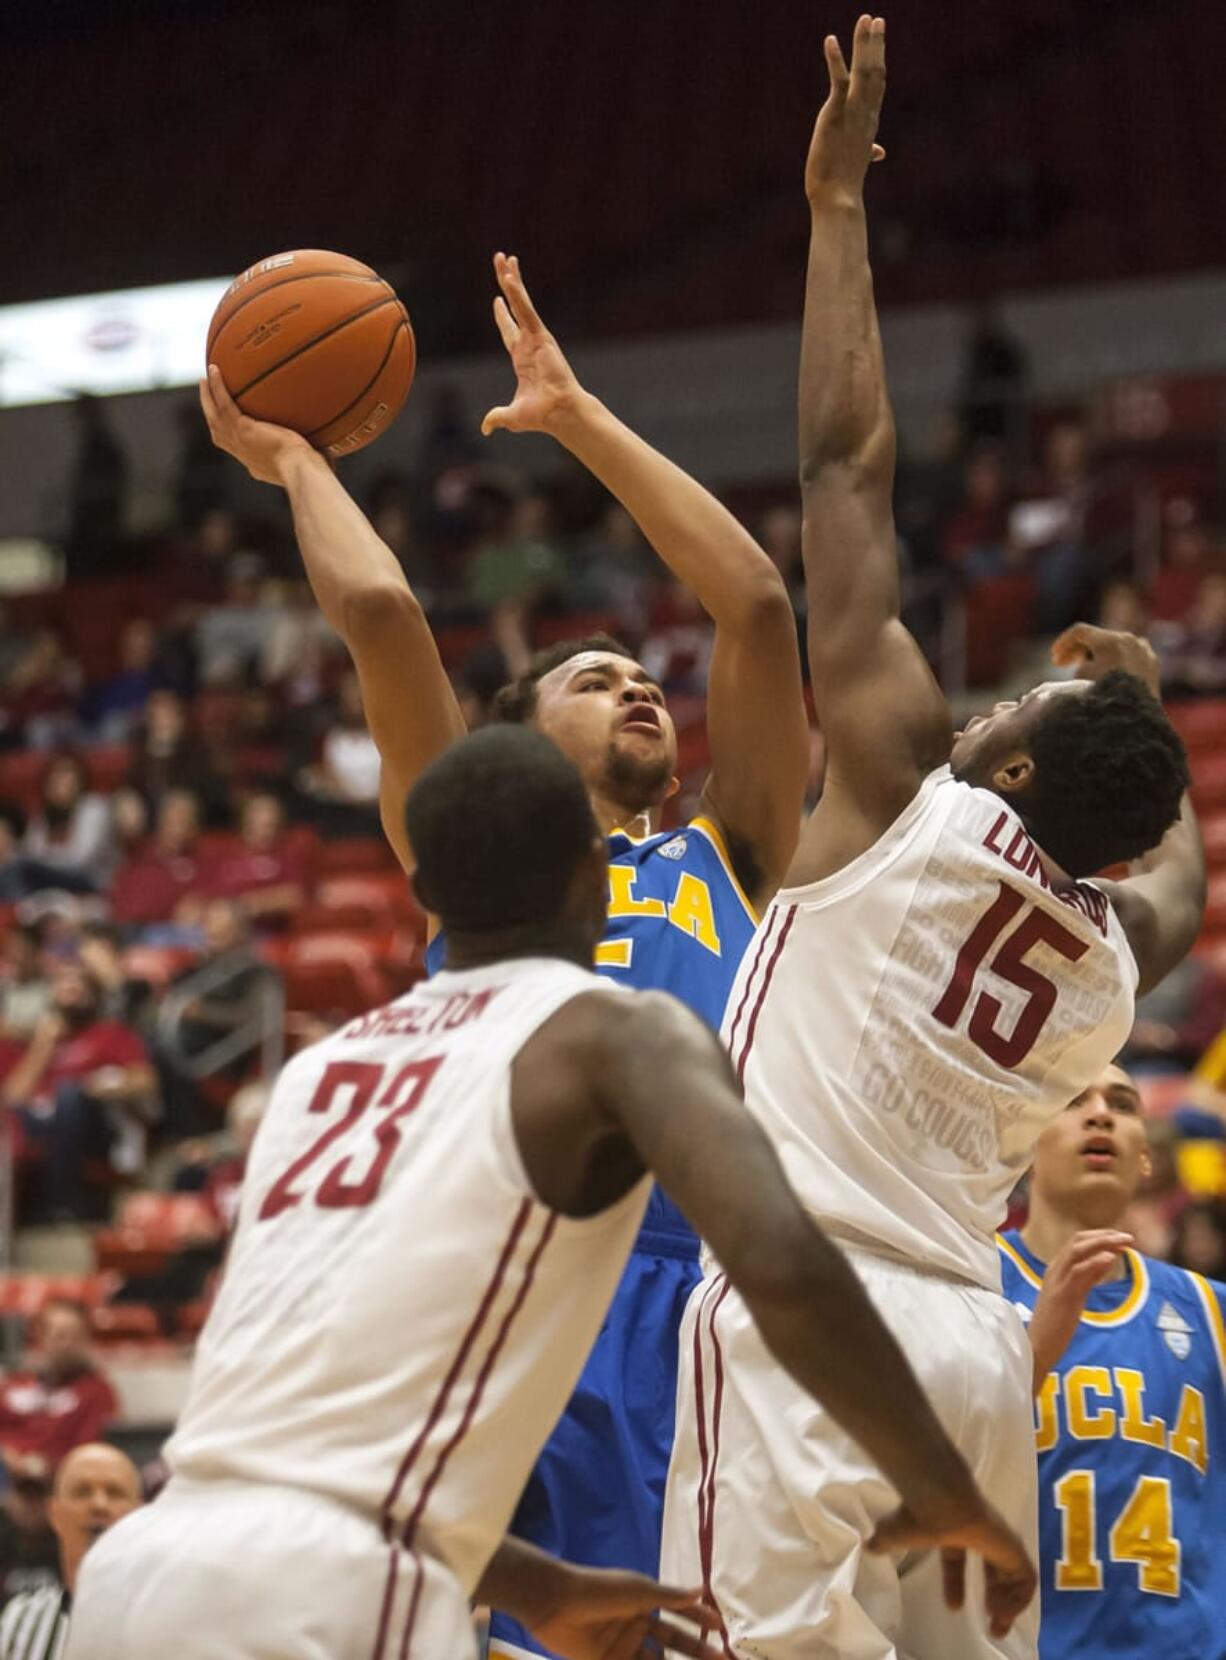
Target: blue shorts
(596, 1495)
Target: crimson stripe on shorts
(708, 1543)
(385, 1611)
(411, 1617)
(764, 934)
(457, 1365)
(761, 997)
(700, 1414)
(474, 1400)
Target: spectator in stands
(154, 884)
(207, 1003)
(114, 707)
(265, 874)
(203, 472)
(61, 1403)
(72, 829)
(29, 1555)
(100, 954)
(1200, 1238)
(231, 637)
(169, 755)
(82, 1090)
(1156, 1208)
(975, 541)
(993, 381)
(1122, 608)
(216, 1170)
(40, 696)
(94, 1487)
(341, 793)
(298, 648)
(1194, 654)
(97, 492)
(25, 991)
(129, 822)
(516, 557)
(612, 569)
(677, 651)
(1187, 557)
(1047, 528)
(13, 879)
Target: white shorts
(770, 1504)
(232, 1571)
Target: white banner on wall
(130, 341)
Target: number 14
(1142, 1533)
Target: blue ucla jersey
(1131, 1436)
(680, 922)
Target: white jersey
(906, 1028)
(401, 1321)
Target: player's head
(1094, 769)
(1090, 1161)
(95, 1486)
(509, 856)
(605, 713)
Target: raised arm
(755, 712)
(1161, 902)
(612, 1085)
(882, 715)
(363, 592)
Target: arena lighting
(130, 341)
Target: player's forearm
(694, 534)
(817, 1320)
(521, 1581)
(347, 564)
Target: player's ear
(1147, 1164)
(1013, 772)
(674, 784)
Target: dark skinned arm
(361, 589)
(882, 715)
(1161, 902)
(610, 1086)
(756, 720)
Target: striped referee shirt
(34, 1625)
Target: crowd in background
(177, 792)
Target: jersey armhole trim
(711, 831)
(867, 866)
(1213, 1314)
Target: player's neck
(1049, 1229)
(563, 940)
(615, 815)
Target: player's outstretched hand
(842, 146)
(1010, 1574)
(546, 390)
(1071, 1275)
(261, 447)
(1093, 652)
(601, 1614)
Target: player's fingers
(497, 419)
(836, 64)
(519, 296)
(1075, 643)
(507, 327)
(953, 1577)
(672, 1638)
(1007, 1595)
(208, 406)
(868, 59)
(224, 403)
(1095, 1269)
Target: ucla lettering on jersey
(1131, 1437)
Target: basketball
(317, 342)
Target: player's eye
(593, 686)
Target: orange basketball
(317, 342)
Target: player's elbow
(381, 610)
(856, 459)
(765, 605)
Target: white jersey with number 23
(905, 1028)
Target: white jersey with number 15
(905, 1028)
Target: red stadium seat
(125, 1323)
(107, 766)
(1215, 903)
(1209, 782)
(383, 898)
(351, 855)
(25, 1295)
(21, 776)
(1213, 830)
(1201, 725)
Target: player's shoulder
(1190, 1290)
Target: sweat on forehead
(607, 662)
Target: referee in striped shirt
(94, 1486)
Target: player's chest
(1156, 1400)
(659, 904)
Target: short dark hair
(516, 702)
(1109, 774)
(497, 825)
